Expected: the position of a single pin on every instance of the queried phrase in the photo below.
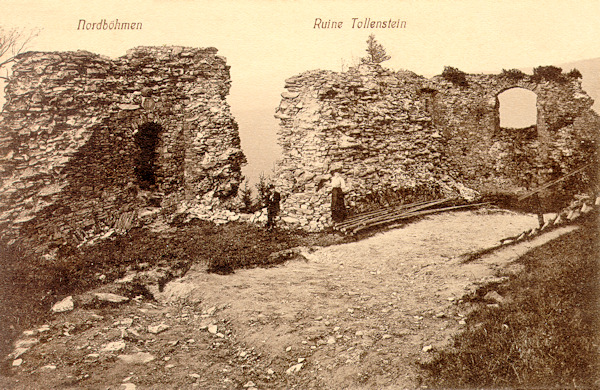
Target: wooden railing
(395, 214)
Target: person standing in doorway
(338, 207)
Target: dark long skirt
(338, 208)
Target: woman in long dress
(338, 207)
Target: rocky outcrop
(86, 138)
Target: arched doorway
(147, 139)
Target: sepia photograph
(308, 194)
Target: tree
(262, 189)
(246, 197)
(376, 52)
(12, 43)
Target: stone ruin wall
(369, 122)
(495, 160)
(399, 131)
(68, 146)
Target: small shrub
(574, 74)
(221, 266)
(455, 76)
(513, 74)
(548, 73)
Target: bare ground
(357, 315)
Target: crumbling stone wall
(397, 131)
(69, 158)
(371, 124)
(492, 159)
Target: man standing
(273, 200)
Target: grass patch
(546, 336)
(30, 284)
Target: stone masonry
(494, 160)
(397, 131)
(70, 151)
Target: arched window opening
(518, 110)
(147, 140)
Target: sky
(266, 42)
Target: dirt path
(361, 313)
(358, 315)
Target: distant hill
(258, 133)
